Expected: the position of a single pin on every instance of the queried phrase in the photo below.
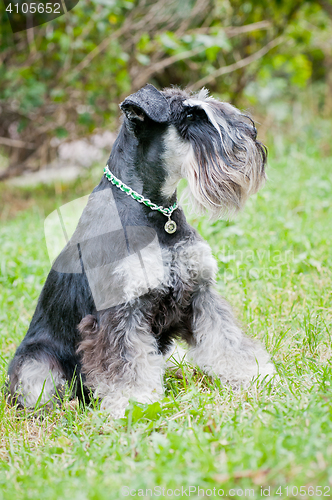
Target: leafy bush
(63, 79)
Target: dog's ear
(148, 101)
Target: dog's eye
(190, 117)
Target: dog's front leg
(120, 360)
(219, 346)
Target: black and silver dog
(134, 275)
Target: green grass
(275, 267)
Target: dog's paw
(242, 379)
(267, 374)
(115, 406)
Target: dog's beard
(224, 169)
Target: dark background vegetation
(64, 80)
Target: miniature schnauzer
(135, 275)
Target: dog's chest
(159, 269)
(153, 269)
(190, 264)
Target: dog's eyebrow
(206, 106)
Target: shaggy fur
(123, 289)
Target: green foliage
(104, 49)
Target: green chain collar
(170, 226)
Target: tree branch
(15, 143)
(239, 64)
(247, 28)
(164, 63)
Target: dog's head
(208, 142)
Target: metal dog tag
(170, 226)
